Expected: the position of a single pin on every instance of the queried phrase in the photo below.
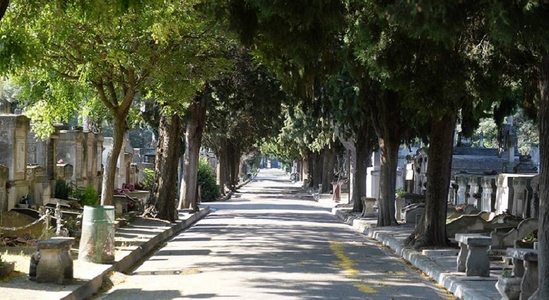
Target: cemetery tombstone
(488, 183)
(70, 151)
(373, 177)
(64, 171)
(35, 177)
(13, 155)
(36, 150)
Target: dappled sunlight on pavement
(269, 243)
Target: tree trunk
(363, 161)
(387, 123)
(3, 7)
(350, 147)
(543, 230)
(317, 170)
(107, 187)
(232, 166)
(305, 170)
(193, 138)
(165, 186)
(387, 182)
(222, 167)
(432, 229)
(235, 168)
(328, 163)
(353, 188)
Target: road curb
(94, 284)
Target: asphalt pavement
(271, 240)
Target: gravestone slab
(13, 155)
(412, 212)
(466, 224)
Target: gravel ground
(20, 255)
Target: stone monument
(13, 155)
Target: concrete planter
(509, 287)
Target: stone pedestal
(525, 265)
(55, 264)
(473, 257)
(400, 203)
(368, 207)
(120, 204)
(509, 287)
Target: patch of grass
(20, 256)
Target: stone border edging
(93, 285)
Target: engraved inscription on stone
(31, 150)
(20, 154)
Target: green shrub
(62, 189)
(87, 196)
(206, 177)
(148, 179)
(90, 197)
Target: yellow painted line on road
(365, 288)
(347, 264)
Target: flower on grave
(531, 237)
(467, 195)
(128, 187)
(119, 191)
(461, 207)
(477, 195)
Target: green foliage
(244, 107)
(291, 37)
(116, 50)
(148, 179)
(209, 190)
(62, 189)
(141, 137)
(507, 272)
(399, 193)
(87, 196)
(526, 129)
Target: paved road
(272, 241)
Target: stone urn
(509, 287)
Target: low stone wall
(13, 220)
